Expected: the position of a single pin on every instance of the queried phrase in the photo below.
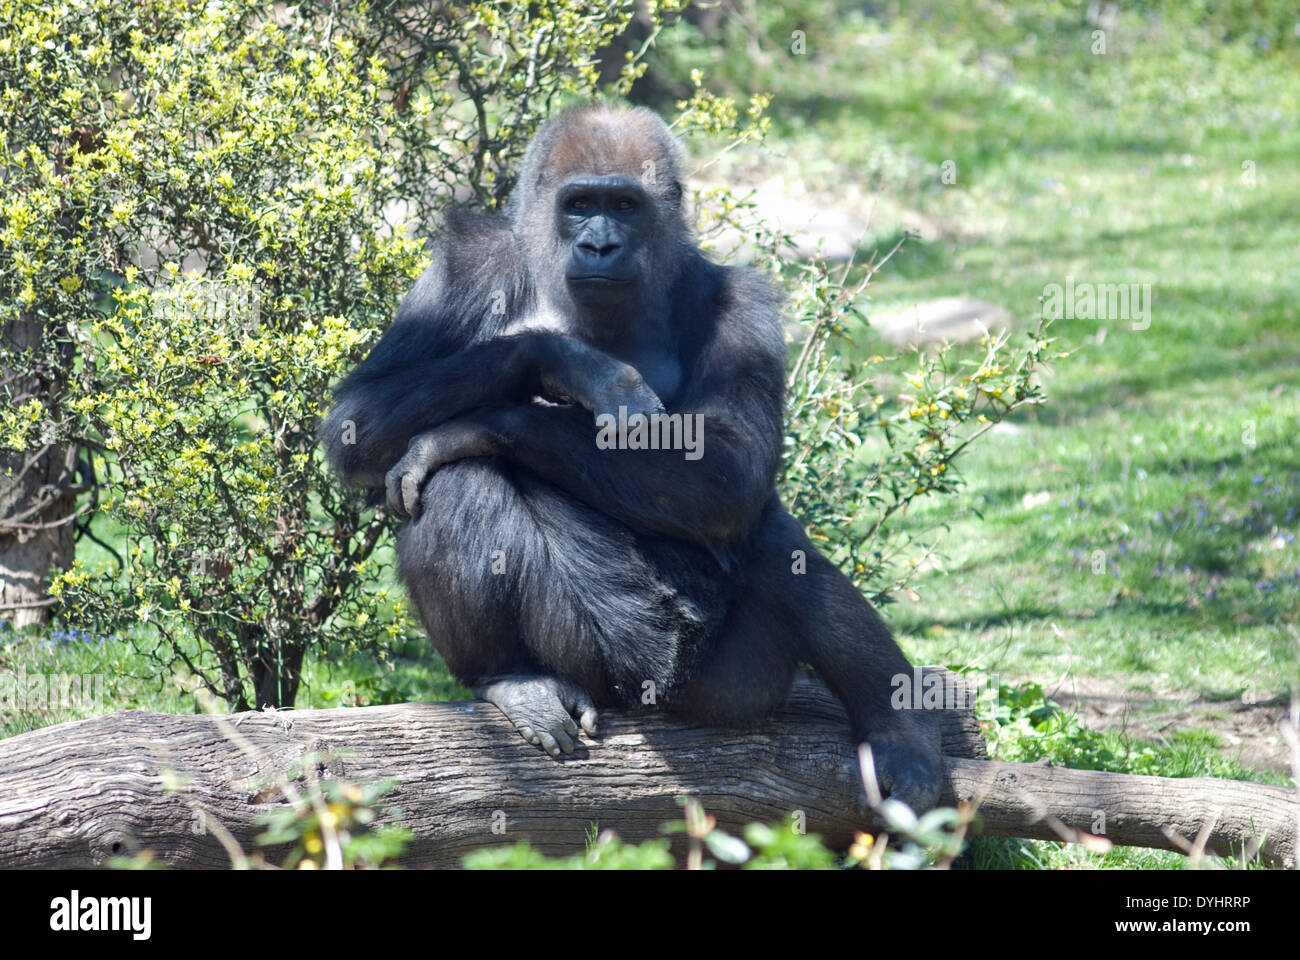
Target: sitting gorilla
(557, 566)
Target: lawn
(1132, 542)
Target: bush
(197, 217)
(857, 457)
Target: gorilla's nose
(595, 251)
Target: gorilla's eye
(579, 204)
(626, 204)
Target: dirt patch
(837, 224)
(1251, 732)
(959, 319)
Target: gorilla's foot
(909, 765)
(542, 709)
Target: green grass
(1118, 168)
(1168, 453)
(130, 678)
(1171, 450)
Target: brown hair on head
(601, 139)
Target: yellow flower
(862, 844)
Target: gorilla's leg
(464, 562)
(798, 607)
(746, 669)
(542, 605)
(844, 639)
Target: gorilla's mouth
(599, 279)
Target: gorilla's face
(602, 221)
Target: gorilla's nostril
(601, 251)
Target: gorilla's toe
(909, 773)
(540, 709)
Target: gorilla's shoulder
(741, 309)
(749, 301)
(725, 288)
(469, 240)
(476, 259)
(745, 286)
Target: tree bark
(74, 794)
(36, 530)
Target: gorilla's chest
(650, 354)
(660, 368)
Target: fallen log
(75, 794)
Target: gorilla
(580, 419)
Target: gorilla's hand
(542, 709)
(594, 379)
(618, 387)
(909, 765)
(456, 440)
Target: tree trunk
(36, 530)
(74, 794)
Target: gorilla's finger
(549, 744)
(411, 483)
(625, 388)
(393, 488)
(589, 719)
(645, 400)
(569, 726)
(528, 734)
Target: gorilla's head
(599, 207)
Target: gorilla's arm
(402, 389)
(712, 500)
(736, 387)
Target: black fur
(615, 567)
